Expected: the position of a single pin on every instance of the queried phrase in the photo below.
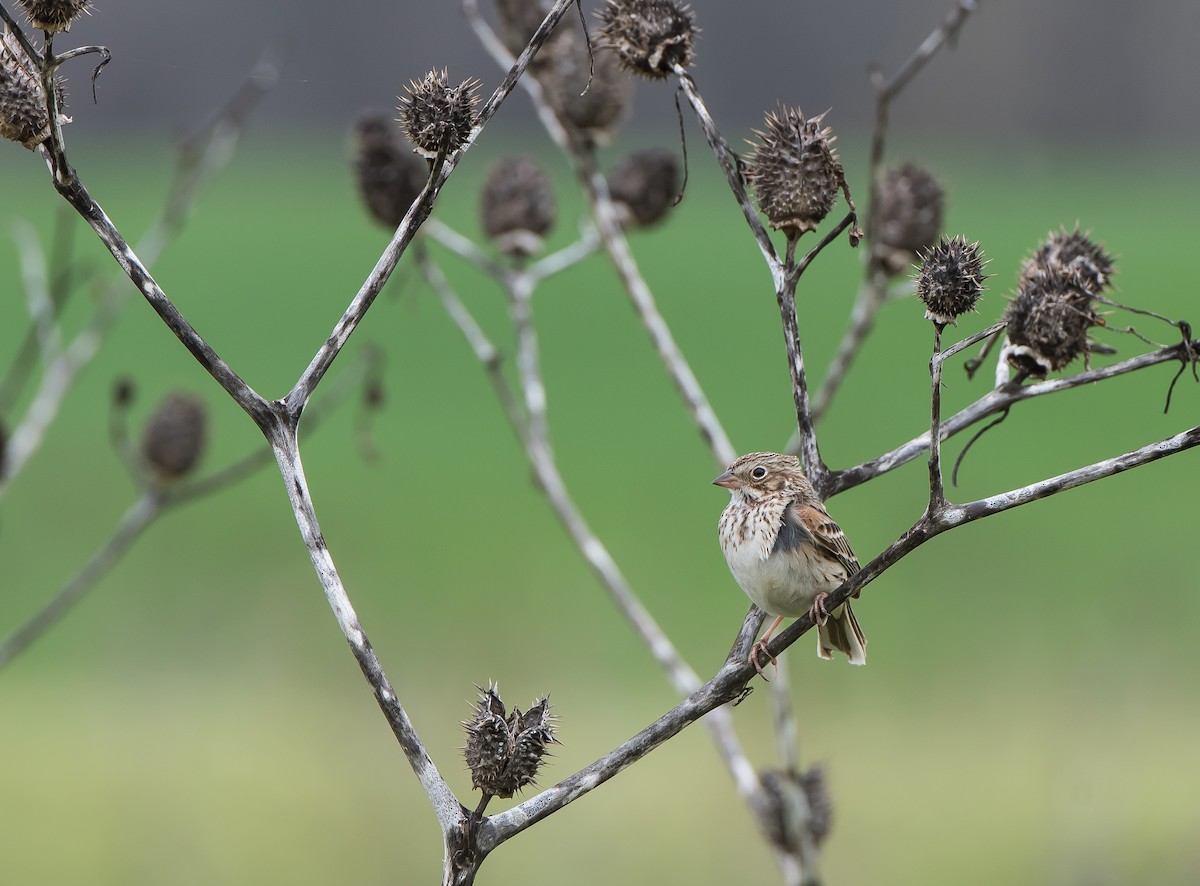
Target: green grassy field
(1029, 713)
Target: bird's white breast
(783, 583)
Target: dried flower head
(795, 171)
(1073, 252)
(798, 806)
(388, 174)
(23, 116)
(908, 217)
(504, 750)
(54, 15)
(518, 206)
(1048, 321)
(951, 279)
(649, 36)
(591, 98)
(644, 186)
(438, 117)
(175, 435)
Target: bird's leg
(761, 648)
(818, 613)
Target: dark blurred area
(1024, 69)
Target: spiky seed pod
(1075, 252)
(950, 281)
(388, 174)
(795, 171)
(532, 733)
(644, 186)
(1049, 319)
(908, 217)
(438, 117)
(504, 750)
(820, 803)
(518, 206)
(23, 116)
(649, 36)
(593, 107)
(489, 744)
(798, 805)
(54, 15)
(175, 436)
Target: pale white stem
(445, 805)
(37, 292)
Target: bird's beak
(727, 480)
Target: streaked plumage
(786, 552)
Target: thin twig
(202, 157)
(937, 489)
(873, 294)
(990, 403)
(413, 219)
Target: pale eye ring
(758, 473)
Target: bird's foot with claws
(818, 613)
(760, 648)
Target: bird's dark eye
(758, 473)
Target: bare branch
(447, 809)
(413, 219)
(994, 401)
(728, 160)
(200, 158)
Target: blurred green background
(1029, 712)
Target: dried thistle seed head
(489, 743)
(23, 116)
(54, 15)
(820, 803)
(1074, 252)
(908, 217)
(504, 750)
(649, 36)
(951, 279)
(532, 732)
(591, 98)
(1049, 319)
(175, 436)
(518, 206)
(795, 171)
(798, 806)
(644, 186)
(388, 174)
(438, 117)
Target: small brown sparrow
(786, 552)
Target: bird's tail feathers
(841, 632)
